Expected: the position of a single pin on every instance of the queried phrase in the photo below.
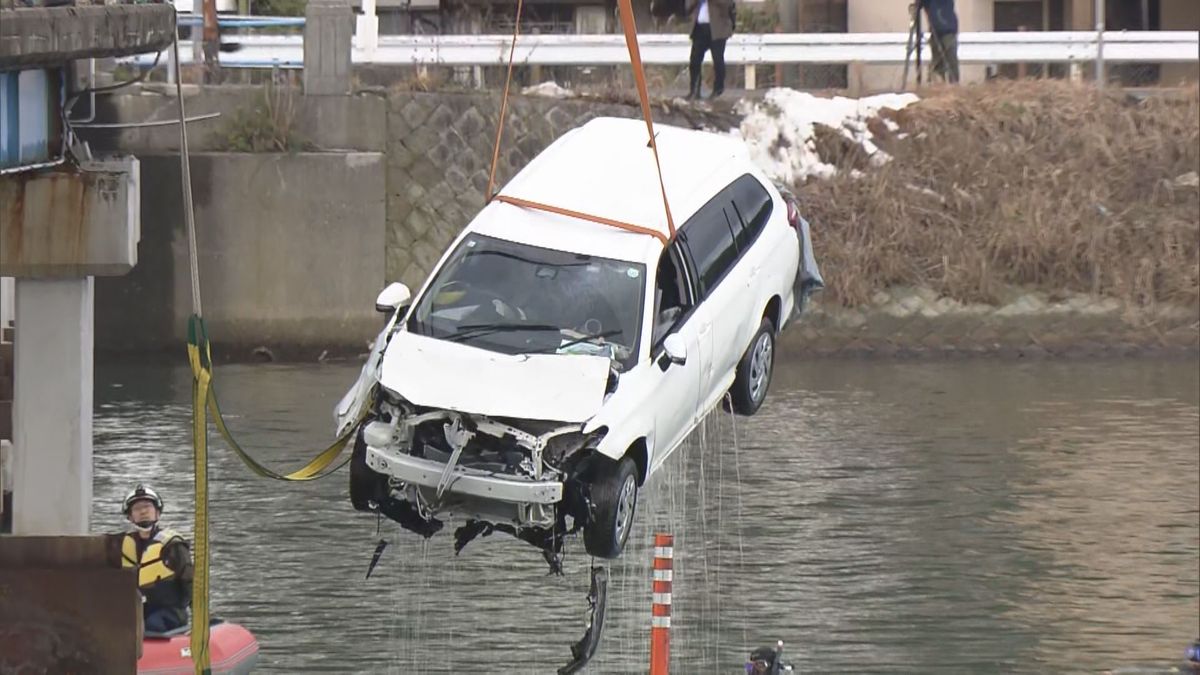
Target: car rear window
(709, 238)
(752, 204)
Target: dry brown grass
(1044, 185)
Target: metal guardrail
(287, 51)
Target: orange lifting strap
(635, 59)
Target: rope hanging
(635, 59)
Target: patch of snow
(549, 89)
(779, 130)
(1189, 179)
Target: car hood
(435, 373)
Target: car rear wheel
(754, 371)
(366, 486)
(613, 494)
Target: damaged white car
(550, 364)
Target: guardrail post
(751, 76)
(854, 78)
(1076, 72)
(328, 31)
(366, 29)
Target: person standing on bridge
(712, 25)
(943, 26)
(162, 559)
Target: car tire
(366, 486)
(613, 494)
(754, 371)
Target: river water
(973, 516)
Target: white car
(550, 364)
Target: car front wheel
(613, 494)
(754, 371)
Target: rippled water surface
(985, 516)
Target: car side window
(673, 296)
(752, 205)
(709, 239)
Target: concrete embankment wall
(291, 251)
(294, 247)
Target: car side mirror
(675, 350)
(395, 296)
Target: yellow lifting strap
(639, 76)
(204, 402)
(200, 358)
(201, 381)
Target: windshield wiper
(585, 338)
(477, 329)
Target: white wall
(884, 16)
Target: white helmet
(142, 493)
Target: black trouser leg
(718, 53)
(950, 52)
(701, 42)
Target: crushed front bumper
(464, 481)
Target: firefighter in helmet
(162, 559)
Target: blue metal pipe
(243, 21)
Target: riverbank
(1044, 186)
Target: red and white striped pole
(660, 610)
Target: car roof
(606, 168)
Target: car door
(677, 385)
(749, 210)
(709, 240)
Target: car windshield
(519, 299)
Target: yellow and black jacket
(164, 568)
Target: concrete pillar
(7, 298)
(328, 35)
(52, 434)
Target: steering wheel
(498, 304)
(600, 316)
(591, 326)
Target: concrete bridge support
(60, 229)
(52, 415)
